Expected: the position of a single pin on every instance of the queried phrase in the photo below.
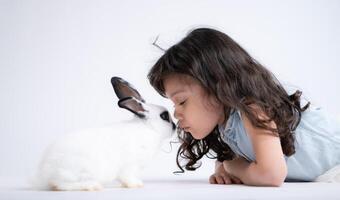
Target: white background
(57, 58)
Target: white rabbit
(87, 160)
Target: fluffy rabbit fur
(87, 160)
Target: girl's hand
(221, 176)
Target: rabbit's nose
(173, 126)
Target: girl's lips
(186, 129)
(182, 125)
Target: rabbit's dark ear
(124, 89)
(134, 105)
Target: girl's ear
(124, 89)
(134, 105)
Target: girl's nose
(177, 115)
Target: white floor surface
(178, 188)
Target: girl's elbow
(274, 178)
(276, 182)
(279, 179)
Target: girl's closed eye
(182, 103)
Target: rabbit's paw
(80, 186)
(132, 183)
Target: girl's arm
(270, 168)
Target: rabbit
(89, 159)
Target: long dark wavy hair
(226, 71)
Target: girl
(231, 107)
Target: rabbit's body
(89, 159)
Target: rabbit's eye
(165, 116)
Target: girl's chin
(196, 136)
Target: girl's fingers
(223, 179)
(212, 179)
(219, 180)
(227, 180)
(235, 180)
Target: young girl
(230, 106)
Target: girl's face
(197, 113)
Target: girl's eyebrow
(176, 92)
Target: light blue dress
(317, 143)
